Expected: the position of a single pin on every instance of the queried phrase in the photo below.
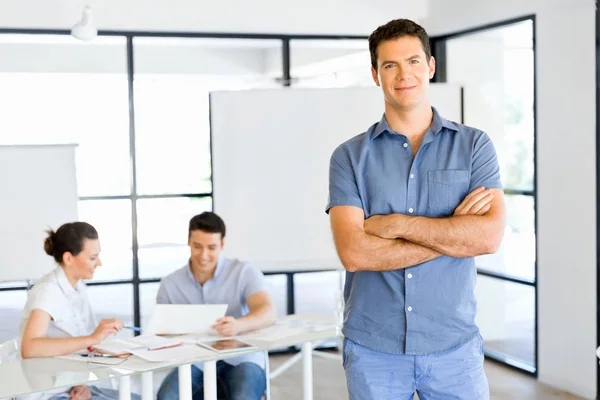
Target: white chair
(9, 350)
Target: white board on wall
(271, 151)
(38, 191)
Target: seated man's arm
(162, 297)
(360, 251)
(456, 236)
(262, 314)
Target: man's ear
(431, 67)
(375, 76)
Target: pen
(99, 355)
(133, 328)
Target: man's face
(403, 72)
(204, 250)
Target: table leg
(147, 387)
(185, 382)
(307, 370)
(124, 388)
(210, 380)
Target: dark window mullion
(133, 172)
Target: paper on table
(184, 318)
(153, 342)
(207, 337)
(94, 360)
(117, 347)
(171, 354)
(287, 327)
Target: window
(330, 63)
(498, 86)
(56, 89)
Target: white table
(20, 377)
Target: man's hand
(227, 326)
(80, 392)
(478, 202)
(382, 225)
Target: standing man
(210, 278)
(412, 201)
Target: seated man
(210, 278)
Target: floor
(330, 384)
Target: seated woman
(58, 319)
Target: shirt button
(409, 309)
(409, 276)
(412, 176)
(405, 145)
(410, 210)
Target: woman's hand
(105, 328)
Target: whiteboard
(38, 191)
(271, 151)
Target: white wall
(262, 16)
(566, 175)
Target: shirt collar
(63, 281)
(437, 124)
(218, 270)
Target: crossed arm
(397, 241)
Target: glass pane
(318, 292)
(14, 284)
(12, 304)
(172, 84)
(162, 233)
(278, 292)
(112, 220)
(498, 93)
(517, 253)
(148, 293)
(330, 63)
(56, 89)
(113, 301)
(506, 317)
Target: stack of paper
(120, 347)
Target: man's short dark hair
(396, 29)
(208, 222)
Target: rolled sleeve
(343, 189)
(485, 170)
(253, 281)
(47, 298)
(162, 297)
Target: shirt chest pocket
(447, 188)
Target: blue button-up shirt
(431, 307)
(232, 283)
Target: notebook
(120, 347)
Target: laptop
(184, 319)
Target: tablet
(227, 345)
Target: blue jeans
(454, 374)
(246, 381)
